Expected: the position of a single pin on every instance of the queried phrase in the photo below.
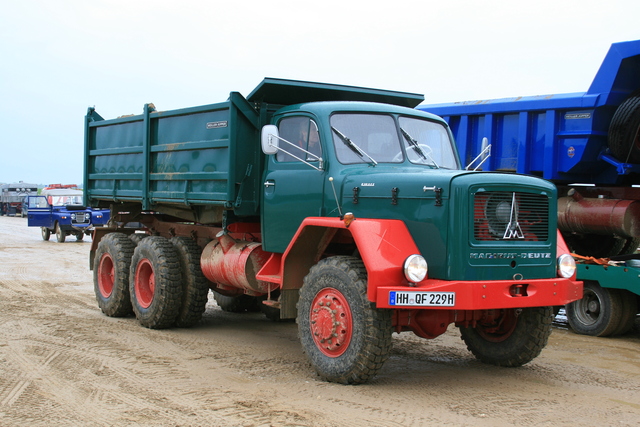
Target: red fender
(384, 245)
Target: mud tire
(518, 343)
(624, 130)
(598, 313)
(195, 287)
(112, 262)
(154, 283)
(363, 340)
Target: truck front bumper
(479, 295)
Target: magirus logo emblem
(513, 230)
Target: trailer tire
(111, 274)
(598, 313)
(154, 283)
(195, 287)
(60, 235)
(236, 304)
(628, 312)
(346, 339)
(624, 130)
(512, 339)
(46, 233)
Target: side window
(302, 137)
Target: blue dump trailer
(588, 145)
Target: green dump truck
(341, 207)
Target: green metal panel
(615, 277)
(498, 259)
(208, 155)
(288, 92)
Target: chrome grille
(509, 215)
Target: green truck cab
(341, 207)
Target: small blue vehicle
(61, 211)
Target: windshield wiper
(352, 145)
(416, 147)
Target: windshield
(64, 200)
(365, 138)
(427, 143)
(375, 138)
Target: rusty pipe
(228, 262)
(599, 216)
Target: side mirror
(269, 139)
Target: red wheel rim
(331, 324)
(145, 283)
(499, 328)
(106, 275)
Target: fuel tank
(231, 263)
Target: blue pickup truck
(61, 211)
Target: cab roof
(288, 92)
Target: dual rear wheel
(159, 280)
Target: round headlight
(566, 266)
(415, 268)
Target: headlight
(415, 268)
(566, 266)
(73, 217)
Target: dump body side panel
(206, 155)
(557, 137)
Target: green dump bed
(194, 163)
(171, 160)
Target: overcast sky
(59, 57)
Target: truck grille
(80, 218)
(508, 215)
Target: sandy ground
(62, 362)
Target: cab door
(39, 212)
(293, 185)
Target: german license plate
(423, 299)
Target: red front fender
(383, 244)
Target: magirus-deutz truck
(342, 207)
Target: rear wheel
(79, 236)
(598, 313)
(195, 288)
(624, 130)
(346, 339)
(509, 337)
(154, 283)
(60, 235)
(46, 233)
(112, 261)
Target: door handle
(268, 184)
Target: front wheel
(60, 235)
(346, 339)
(509, 337)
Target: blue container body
(562, 138)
